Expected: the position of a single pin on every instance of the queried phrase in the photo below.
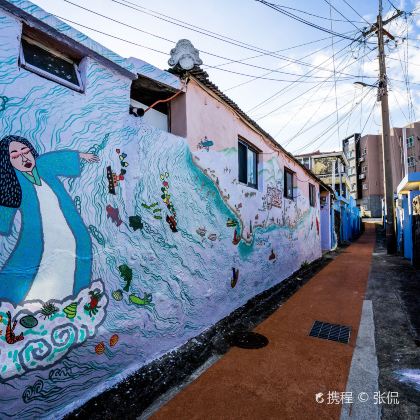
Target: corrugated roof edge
(38, 18)
(202, 76)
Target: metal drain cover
(249, 340)
(332, 332)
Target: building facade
(351, 150)
(331, 167)
(138, 208)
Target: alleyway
(281, 379)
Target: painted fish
(117, 294)
(100, 348)
(137, 300)
(236, 238)
(172, 223)
(113, 340)
(135, 222)
(231, 223)
(28, 321)
(114, 214)
(235, 277)
(212, 237)
(272, 255)
(202, 231)
(127, 274)
(147, 206)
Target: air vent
(332, 332)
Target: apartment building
(331, 167)
(351, 150)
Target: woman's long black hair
(10, 189)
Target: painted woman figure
(53, 255)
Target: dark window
(54, 66)
(248, 165)
(312, 195)
(288, 183)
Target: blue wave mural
(171, 251)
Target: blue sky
(302, 116)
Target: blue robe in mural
(20, 270)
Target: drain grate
(333, 332)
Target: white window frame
(364, 169)
(364, 186)
(40, 72)
(364, 151)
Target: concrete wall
(147, 267)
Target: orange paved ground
(280, 380)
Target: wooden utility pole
(378, 27)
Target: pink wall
(208, 116)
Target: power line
(203, 51)
(299, 19)
(281, 106)
(277, 51)
(331, 6)
(271, 97)
(333, 57)
(317, 16)
(286, 65)
(308, 120)
(328, 129)
(355, 11)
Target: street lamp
(363, 84)
(386, 155)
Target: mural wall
(116, 246)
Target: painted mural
(114, 249)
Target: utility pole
(379, 29)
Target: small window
(312, 195)
(364, 168)
(410, 141)
(288, 183)
(411, 160)
(248, 165)
(364, 151)
(365, 187)
(305, 161)
(50, 64)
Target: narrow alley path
(281, 379)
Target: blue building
(407, 190)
